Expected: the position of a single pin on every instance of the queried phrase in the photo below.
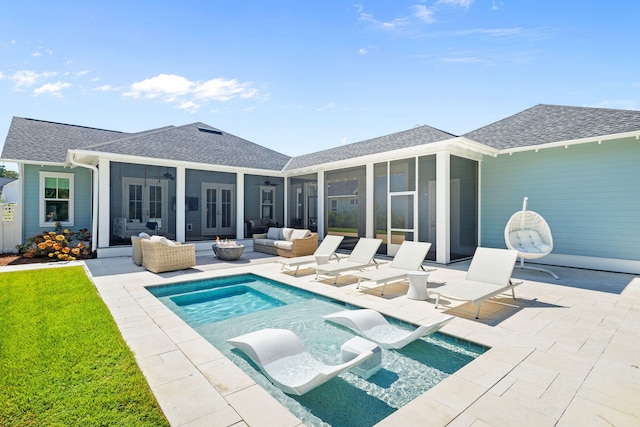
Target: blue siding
(589, 194)
(31, 205)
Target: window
(56, 198)
(267, 203)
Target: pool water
(224, 308)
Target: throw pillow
(273, 233)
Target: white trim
(104, 203)
(567, 143)
(443, 207)
(41, 210)
(180, 204)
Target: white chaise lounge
(408, 258)
(281, 356)
(361, 257)
(373, 326)
(327, 249)
(489, 275)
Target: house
(577, 165)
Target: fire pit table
(228, 253)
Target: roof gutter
(94, 213)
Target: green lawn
(63, 361)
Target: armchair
(160, 254)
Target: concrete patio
(565, 352)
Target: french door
(218, 213)
(145, 200)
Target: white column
(285, 202)
(180, 203)
(370, 207)
(321, 231)
(104, 203)
(239, 206)
(443, 207)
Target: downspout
(94, 220)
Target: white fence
(10, 226)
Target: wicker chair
(163, 255)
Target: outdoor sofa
(286, 242)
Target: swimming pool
(223, 308)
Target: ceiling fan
(166, 175)
(268, 183)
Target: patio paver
(563, 353)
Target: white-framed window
(333, 205)
(56, 198)
(267, 202)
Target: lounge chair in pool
(281, 356)
(489, 275)
(361, 257)
(327, 249)
(408, 258)
(373, 326)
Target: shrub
(58, 245)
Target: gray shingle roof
(544, 124)
(38, 140)
(199, 143)
(408, 138)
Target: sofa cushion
(299, 234)
(286, 233)
(283, 244)
(274, 233)
(144, 235)
(264, 242)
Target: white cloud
(461, 3)
(495, 5)
(53, 89)
(329, 106)
(420, 14)
(36, 54)
(492, 32)
(105, 88)
(423, 14)
(186, 93)
(26, 78)
(363, 51)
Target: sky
(303, 76)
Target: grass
(63, 361)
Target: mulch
(16, 259)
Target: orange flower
(46, 237)
(50, 254)
(42, 246)
(49, 243)
(52, 233)
(59, 237)
(81, 245)
(66, 250)
(75, 251)
(57, 246)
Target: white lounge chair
(489, 275)
(528, 233)
(408, 258)
(282, 358)
(373, 326)
(361, 257)
(327, 248)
